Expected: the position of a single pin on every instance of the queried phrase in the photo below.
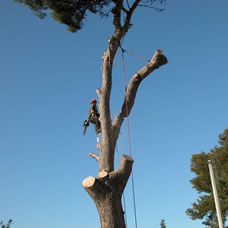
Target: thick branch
(106, 161)
(157, 60)
(108, 182)
(120, 176)
(117, 15)
(94, 187)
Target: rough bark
(107, 147)
(106, 190)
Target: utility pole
(217, 204)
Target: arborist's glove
(86, 123)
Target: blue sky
(47, 78)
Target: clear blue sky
(47, 78)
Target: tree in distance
(204, 207)
(7, 225)
(162, 223)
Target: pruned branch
(107, 182)
(103, 175)
(95, 156)
(106, 161)
(157, 60)
(120, 176)
(110, 131)
(96, 188)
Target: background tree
(162, 223)
(8, 224)
(204, 208)
(106, 190)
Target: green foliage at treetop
(204, 207)
(69, 12)
(73, 12)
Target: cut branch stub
(157, 61)
(120, 176)
(103, 175)
(95, 187)
(109, 182)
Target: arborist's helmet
(93, 101)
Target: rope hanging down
(129, 138)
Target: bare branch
(128, 5)
(95, 156)
(120, 176)
(157, 60)
(125, 10)
(129, 15)
(152, 7)
(117, 15)
(110, 131)
(96, 189)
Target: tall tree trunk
(106, 190)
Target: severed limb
(157, 61)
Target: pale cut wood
(96, 188)
(88, 182)
(103, 175)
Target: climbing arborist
(93, 117)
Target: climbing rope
(129, 137)
(130, 53)
(128, 127)
(133, 54)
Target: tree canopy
(204, 207)
(70, 12)
(73, 12)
